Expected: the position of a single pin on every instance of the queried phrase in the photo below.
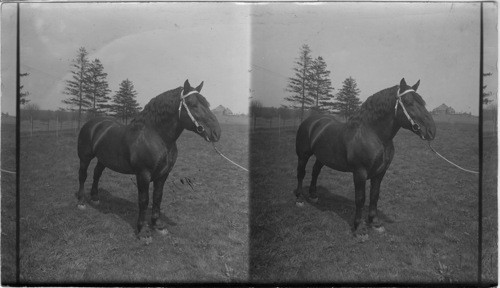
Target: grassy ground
(8, 180)
(429, 209)
(490, 206)
(208, 227)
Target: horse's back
(313, 129)
(323, 136)
(93, 131)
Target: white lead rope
(234, 163)
(183, 103)
(466, 170)
(6, 171)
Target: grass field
(8, 180)
(490, 206)
(430, 211)
(208, 227)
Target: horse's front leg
(373, 220)
(156, 223)
(143, 231)
(360, 176)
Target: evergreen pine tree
(320, 85)
(299, 84)
(23, 94)
(97, 90)
(485, 95)
(125, 104)
(76, 87)
(347, 101)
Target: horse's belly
(116, 163)
(333, 160)
(338, 167)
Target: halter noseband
(199, 127)
(414, 126)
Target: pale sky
(377, 44)
(155, 45)
(243, 50)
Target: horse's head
(411, 112)
(195, 114)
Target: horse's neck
(386, 126)
(169, 130)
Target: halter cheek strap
(199, 128)
(414, 125)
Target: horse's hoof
(145, 236)
(146, 240)
(379, 229)
(314, 200)
(361, 237)
(81, 206)
(162, 231)
(299, 204)
(95, 202)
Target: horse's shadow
(342, 206)
(127, 210)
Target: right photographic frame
(373, 143)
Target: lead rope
(231, 161)
(183, 103)
(7, 171)
(466, 170)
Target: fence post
(31, 120)
(57, 127)
(279, 128)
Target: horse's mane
(378, 105)
(162, 107)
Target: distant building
(443, 109)
(221, 110)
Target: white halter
(414, 125)
(199, 128)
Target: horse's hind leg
(99, 167)
(301, 173)
(82, 176)
(315, 173)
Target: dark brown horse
(146, 147)
(364, 144)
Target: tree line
(310, 88)
(88, 91)
(89, 94)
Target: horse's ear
(199, 87)
(187, 86)
(402, 84)
(414, 87)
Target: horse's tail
(85, 139)
(302, 140)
